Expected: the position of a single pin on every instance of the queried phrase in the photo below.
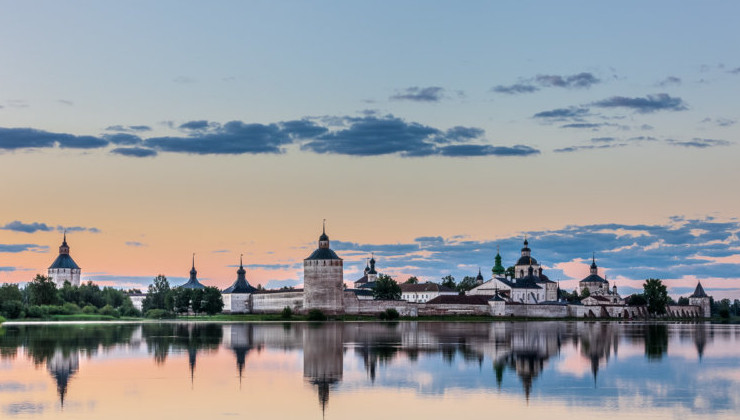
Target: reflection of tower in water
(241, 338)
(62, 367)
(323, 358)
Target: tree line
(41, 298)
(163, 301)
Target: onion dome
(526, 258)
(479, 277)
(498, 268)
(372, 266)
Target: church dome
(526, 260)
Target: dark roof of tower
(323, 254)
(64, 261)
(479, 276)
(424, 287)
(526, 261)
(324, 237)
(459, 300)
(362, 279)
(594, 278)
(699, 292)
(241, 285)
(193, 283)
(526, 282)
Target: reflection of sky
(591, 367)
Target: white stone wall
(60, 275)
(236, 303)
(275, 302)
(323, 285)
(422, 297)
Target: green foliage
(158, 295)
(637, 299)
(181, 299)
(386, 288)
(316, 315)
(90, 294)
(12, 309)
(196, 300)
(42, 291)
(448, 281)
(89, 309)
(2, 319)
(467, 283)
(656, 295)
(585, 293)
(159, 314)
(683, 301)
(287, 313)
(391, 314)
(127, 308)
(10, 292)
(35, 311)
(213, 303)
(412, 280)
(569, 297)
(71, 308)
(511, 272)
(109, 311)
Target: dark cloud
(372, 136)
(735, 71)
(643, 138)
(123, 139)
(375, 135)
(651, 103)
(470, 150)
(269, 266)
(580, 80)
(135, 244)
(66, 102)
(515, 89)
(699, 143)
(16, 248)
(197, 125)
(19, 226)
(6, 269)
(563, 113)
(234, 137)
(417, 94)
(134, 152)
(669, 81)
(21, 138)
(307, 129)
(588, 147)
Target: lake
(434, 370)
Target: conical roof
(241, 285)
(699, 292)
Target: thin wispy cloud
(419, 94)
(582, 80)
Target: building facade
(323, 279)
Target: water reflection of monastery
(517, 352)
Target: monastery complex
(526, 292)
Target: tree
(510, 272)
(656, 295)
(449, 281)
(467, 283)
(213, 303)
(42, 291)
(585, 293)
(412, 280)
(386, 288)
(196, 300)
(158, 295)
(683, 301)
(90, 294)
(181, 299)
(637, 299)
(69, 293)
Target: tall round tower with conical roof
(64, 267)
(323, 279)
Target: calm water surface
(374, 371)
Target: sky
(426, 132)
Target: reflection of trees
(656, 341)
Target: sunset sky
(427, 132)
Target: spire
(324, 238)
(64, 248)
(241, 272)
(193, 271)
(594, 268)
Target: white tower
(64, 267)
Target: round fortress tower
(323, 279)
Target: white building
(424, 292)
(236, 297)
(598, 287)
(64, 268)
